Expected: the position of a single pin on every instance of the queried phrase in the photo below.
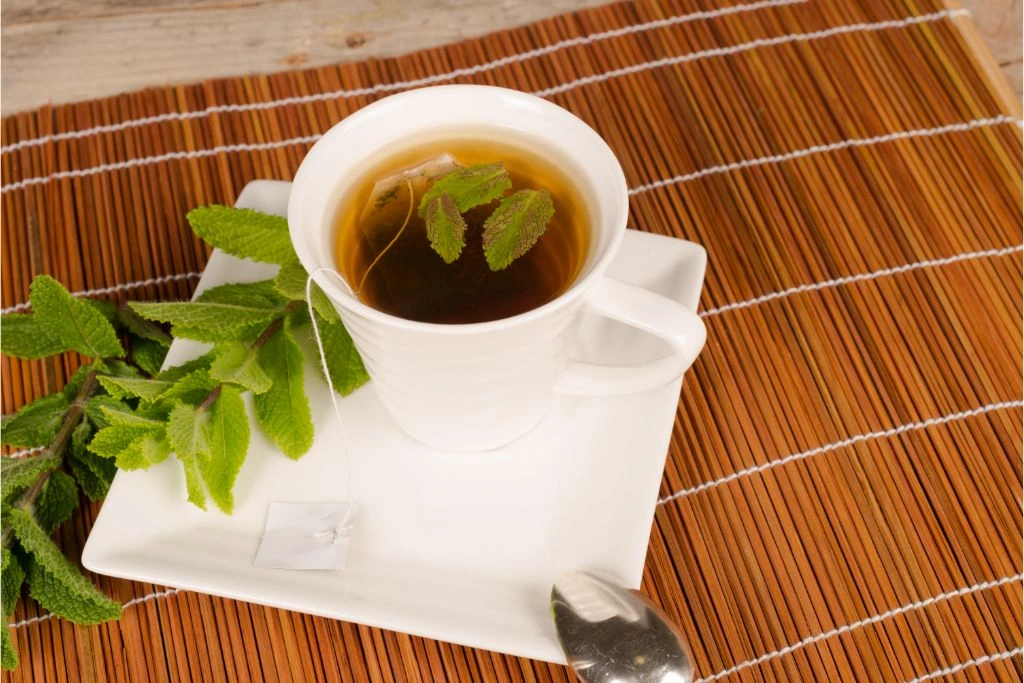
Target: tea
(383, 251)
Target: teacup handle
(647, 311)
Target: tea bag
(386, 209)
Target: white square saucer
(456, 547)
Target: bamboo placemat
(842, 499)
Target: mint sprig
(121, 410)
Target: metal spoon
(614, 635)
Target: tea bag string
(408, 216)
(340, 527)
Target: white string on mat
(401, 85)
(977, 661)
(836, 445)
(846, 628)
(668, 61)
(341, 526)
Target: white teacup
(478, 386)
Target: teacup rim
(577, 289)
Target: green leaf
(343, 362)
(515, 226)
(132, 446)
(148, 390)
(118, 368)
(186, 431)
(291, 283)
(57, 501)
(8, 653)
(147, 354)
(237, 364)
(254, 294)
(244, 233)
(56, 583)
(94, 409)
(283, 412)
(174, 373)
(108, 309)
(446, 229)
(22, 336)
(36, 424)
(209, 322)
(13, 578)
(93, 473)
(470, 186)
(146, 416)
(78, 325)
(227, 432)
(191, 388)
(17, 474)
(141, 328)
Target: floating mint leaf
(227, 432)
(75, 323)
(446, 228)
(54, 581)
(186, 432)
(291, 283)
(470, 186)
(343, 362)
(24, 337)
(36, 423)
(234, 362)
(18, 474)
(244, 233)
(283, 411)
(57, 501)
(515, 226)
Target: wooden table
(67, 50)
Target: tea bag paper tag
(306, 536)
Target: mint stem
(71, 420)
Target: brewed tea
(383, 251)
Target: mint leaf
(227, 433)
(36, 423)
(18, 474)
(186, 432)
(145, 416)
(24, 337)
(75, 323)
(118, 368)
(94, 409)
(148, 390)
(244, 233)
(13, 578)
(56, 583)
(56, 501)
(8, 654)
(147, 354)
(291, 283)
(141, 328)
(283, 411)
(236, 363)
(209, 322)
(191, 388)
(92, 472)
(254, 294)
(108, 309)
(343, 362)
(468, 187)
(446, 229)
(515, 226)
(132, 446)
(173, 374)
